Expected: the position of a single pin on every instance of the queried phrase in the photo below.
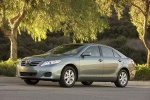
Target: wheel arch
(73, 66)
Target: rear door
(112, 62)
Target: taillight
(133, 63)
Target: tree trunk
(148, 59)
(13, 47)
(145, 32)
(13, 36)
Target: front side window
(107, 52)
(94, 50)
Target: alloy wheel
(123, 78)
(69, 77)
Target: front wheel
(31, 81)
(87, 83)
(68, 77)
(122, 79)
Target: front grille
(32, 63)
(28, 73)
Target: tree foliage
(79, 18)
(119, 27)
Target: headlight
(51, 62)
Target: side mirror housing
(86, 54)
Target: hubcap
(69, 77)
(123, 78)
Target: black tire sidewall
(30, 82)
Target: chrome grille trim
(32, 63)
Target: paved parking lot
(15, 89)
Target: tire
(122, 79)
(87, 83)
(31, 81)
(68, 77)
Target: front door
(91, 67)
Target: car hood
(42, 57)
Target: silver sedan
(86, 63)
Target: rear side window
(107, 52)
(116, 54)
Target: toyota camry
(86, 63)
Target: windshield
(66, 49)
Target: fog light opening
(48, 74)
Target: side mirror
(86, 54)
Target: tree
(139, 12)
(79, 18)
(139, 15)
(14, 22)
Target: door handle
(100, 60)
(119, 60)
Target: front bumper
(52, 72)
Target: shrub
(8, 68)
(118, 42)
(142, 72)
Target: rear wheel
(31, 81)
(68, 77)
(122, 79)
(87, 83)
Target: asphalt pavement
(12, 88)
